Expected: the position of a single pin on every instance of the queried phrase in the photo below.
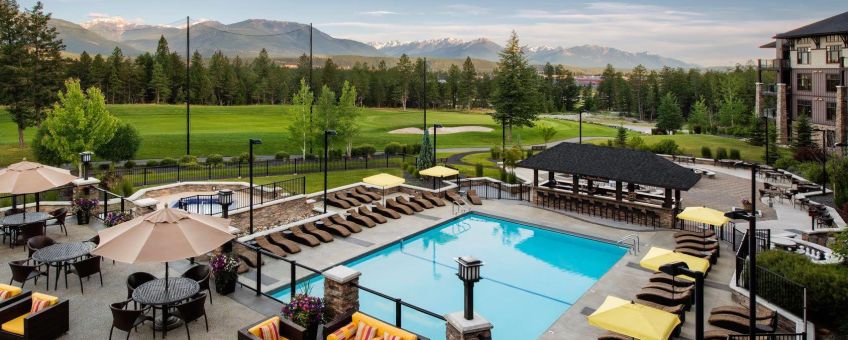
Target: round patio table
(58, 254)
(26, 218)
(152, 293)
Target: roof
(632, 166)
(837, 24)
(772, 44)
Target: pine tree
(330, 75)
(607, 89)
(570, 92)
(14, 65)
(637, 84)
(515, 97)
(773, 153)
(467, 88)
(621, 136)
(425, 157)
(669, 117)
(46, 64)
(201, 87)
(699, 116)
(803, 133)
(113, 78)
(159, 83)
(453, 85)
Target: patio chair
(249, 257)
(362, 191)
(299, 236)
(350, 200)
(454, 197)
(340, 221)
(287, 328)
(433, 199)
(680, 309)
(29, 230)
(473, 198)
(709, 246)
(273, 248)
(364, 211)
(13, 211)
(127, 319)
(358, 317)
(394, 205)
(192, 310)
(695, 239)
(738, 323)
(613, 336)
(763, 314)
(669, 287)
(37, 243)
(49, 323)
(330, 227)
(364, 199)
(719, 334)
(58, 219)
(380, 209)
(287, 245)
(12, 294)
(333, 201)
(421, 201)
(712, 256)
(361, 220)
(665, 298)
(702, 234)
(137, 279)
(403, 201)
(200, 273)
(311, 229)
(671, 280)
(24, 270)
(84, 269)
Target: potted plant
(114, 218)
(746, 204)
(224, 268)
(305, 311)
(82, 208)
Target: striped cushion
(38, 305)
(387, 336)
(346, 332)
(270, 331)
(5, 294)
(365, 332)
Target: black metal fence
(109, 203)
(62, 194)
(772, 336)
(142, 176)
(492, 189)
(775, 288)
(730, 233)
(209, 205)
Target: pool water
(530, 277)
(200, 205)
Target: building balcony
(773, 64)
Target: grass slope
(691, 145)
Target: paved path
(646, 129)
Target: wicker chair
(85, 269)
(23, 271)
(127, 319)
(37, 243)
(58, 219)
(192, 310)
(201, 274)
(137, 279)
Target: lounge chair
(298, 235)
(362, 191)
(380, 209)
(710, 255)
(359, 197)
(273, 248)
(473, 198)
(403, 201)
(695, 239)
(339, 220)
(763, 314)
(738, 323)
(394, 205)
(362, 220)
(287, 245)
(671, 280)
(669, 288)
(311, 229)
(666, 298)
(680, 309)
(333, 228)
(364, 211)
(698, 246)
(249, 257)
(344, 197)
(433, 199)
(719, 334)
(613, 336)
(705, 233)
(52, 322)
(422, 202)
(454, 197)
(332, 200)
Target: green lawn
(482, 158)
(226, 129)
(315, 181)
(691, 145)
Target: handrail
(398, 304)
(633, 247)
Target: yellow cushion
(13, 291)
(383, 327)
(255, 329)
(16, 325)
(49, 298)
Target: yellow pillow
(9, 291)
(255, 329)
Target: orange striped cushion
(38, 305)
(365, 332)
(5, 294)
(387, 336)
(270, 331)
(346, 332)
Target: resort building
(809, 68)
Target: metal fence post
(398, 318)
(387, 160)
(366, 161)
(105, 204)
(145, 176)
(500, 189)
(266, 167)
(122, 204)
(295, 165)
(293, 280)
(239, 169)
(303, 185)
(208, 171)
(258, 271)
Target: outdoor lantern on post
(436, 128)
(327, 134)
(681, 268)
(250, 166)
(824, 160)
(225, 198)
(752, 248)
(85, 157)
(469, 273)
(580, 123)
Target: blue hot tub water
(530, 277)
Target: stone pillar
(341, 295)
(458, 328)
(781, 113)
(841, 114)
(84, 187)
(758, 99)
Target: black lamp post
(327, 134)
(768, 158)
(85, 157)
(824, 160)
(680, 268)
(250, 160)
(469, 273)
(752, 249)
(436, 128)
(225, 198)
(503, 140)
(580, 123)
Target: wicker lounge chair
(698, 246)
(719, 334)
(669, 288)
(380, 209)
(671, 280)
(359, 197)
(705, 233)
(362, 220)
(473, 198)
(248, 257)
(666, 298)
(298, 235)
(339, 220)
(363, 210)
(334, 201)
(362, 191)
(433, 199)
(422, 202)
(345, 197)
(737, 323)
(333, 228)
(680, 310)
(394, 205)
(695, 239)
(50, 323)
(454, 197)
(311, 229)
(763, 314)
(287, 245)
(403, 201)
(613, 336)
(273, 248)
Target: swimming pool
(200, 205)
(530, 277)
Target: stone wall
(341, 298)
(190, 187)
(272, 214)
(841, 114)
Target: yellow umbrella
(657, 257)
(703, 215)
(439, 171)
(634, 320)
(384, 181)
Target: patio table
(14, 222)
(59, 254)
(153, 293)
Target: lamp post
(503, 140)
(766, 120)
(250, 167)
(85, 157)
(225, 198)
(580, 123)
(752, 249)
(824, 160)
(469, 273)
(327, 134)
(681, 268)
(436, 128)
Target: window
(805, 82)
(805, 108)
(832, 81)
(834, 52)
(803, 56)
(831, 111)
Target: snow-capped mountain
(441, 48)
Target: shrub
(152, 162)
(282, 155)
(129, 164)
(503, 175)
(215, 159)
(103, 166)
(665, 146)
(735, 154)
(529, 153)
(812, 171)
(244, 157)
(706, 152)
(496, 152)
(787, 163)
(127, 187)
(123, 145)
(808, 154)
(188, 160)
(511, 178)
(636, 143)
(478, 170)
(721, 153)
(393, 148)
(366, 150)
(167, 161)
(412, 149)
(336, 153)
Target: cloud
(95, 15)
(465, 10)
(378, 13)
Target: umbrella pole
(166, 278)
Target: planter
(225, 285)
(83, 217)
(299, 332)
(748, 207)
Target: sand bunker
(444, 130)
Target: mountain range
(291, 39)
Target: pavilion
(592, 179)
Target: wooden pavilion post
(667, 196)
(589, 184)
(630, 189)
(551, 179)
(535, 178)
(618, 191)
(575, 184)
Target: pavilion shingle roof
(837, 24)
(632, 166)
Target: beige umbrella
(30, 177)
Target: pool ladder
(458, 209)
(631, 242)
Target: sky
(708, 33)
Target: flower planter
(225, 285)
(83, 217)
(748, 207)
(299, 332)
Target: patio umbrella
(384, 181)
(633, 320)
(439, 171)
(657, 257)
(703, 215)
(29, 177)
(164, 235)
